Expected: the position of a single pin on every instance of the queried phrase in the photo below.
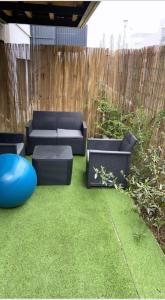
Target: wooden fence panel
(63, 78)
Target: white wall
(17, 34)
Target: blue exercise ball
(18, 180)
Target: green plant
(106, 178)
(146, 185)
(138, 236)
(146, 182)
(113, 123)
(158, 224)
(144, 129)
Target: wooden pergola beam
(47, 14)
(51, 16)
(28, 14)
(74, 18)
(8, 12)
(42, 8)
(35, 21)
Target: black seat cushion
(69, 133)
(43, 133)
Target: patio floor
(74, 242)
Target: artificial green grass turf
(145, 258)
(70, 241)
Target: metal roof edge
(89, 11)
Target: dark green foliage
(113, 123)
(147, 176)
(146, 185)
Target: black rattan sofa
(112, 154)
(12, 143)
(57, 128)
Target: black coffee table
(53, 164)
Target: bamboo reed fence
(64, 78)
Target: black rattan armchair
(12, 143)
(112, 154)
